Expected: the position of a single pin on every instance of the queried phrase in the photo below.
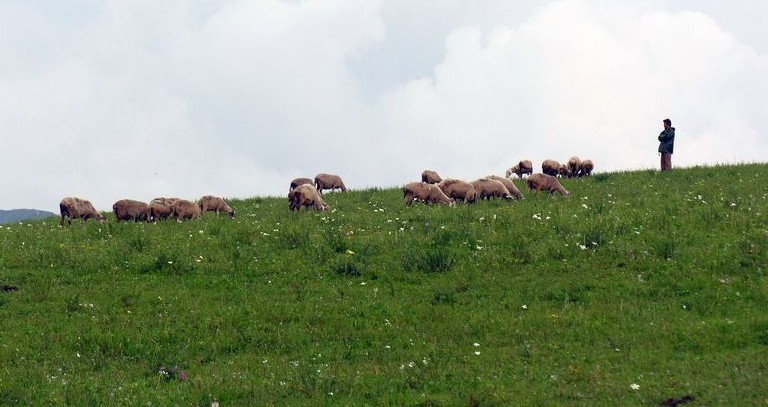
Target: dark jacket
(667, 139)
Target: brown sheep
(574, 163)
(563, 171)
(182, 209)
(306, 195)
(329, 181)
(521, 168)
(511, 187)
(458, 190)
(550, 167)
(546, 182)
(128, 209)
(428, 193)
(160, 208)
(215, 204)
(490, 188)
(76, 208)
(430, 177)
(586, 167)
(299, 181)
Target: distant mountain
(16, 215)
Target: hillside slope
(638, 288)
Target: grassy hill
(639, 288)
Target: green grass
(646, 278)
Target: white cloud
(236, 98)
(575, 79)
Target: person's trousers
(666, 161)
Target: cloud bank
(236, 98)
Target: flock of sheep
(573, 168)
(307, 193)
(157, 209)
(434, 189)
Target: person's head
(667, 123)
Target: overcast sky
(113, 99)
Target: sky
(113, 99)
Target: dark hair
(667, 121)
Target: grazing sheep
(523, 167)
(458, 190)
(428, 193)
(490, 188)
(76, 208)
(160, 208)
(182, 209)
(574, 163)
(299, 181)
(550, 167)
(329, 181)
(511, 187)
(306, 195)
(215, 204)
(128, 209)
(563, 171)
(546, 182)
(586, 168)
(430, 177)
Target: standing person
(666, 145)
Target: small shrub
(762, 336)
(594, 237)
(73, 305)
(335, 240)
(433, 259)
(753, 252)
(138, 243)
(664, 248)
(347, 267)
(294, 238)
(443, 296)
